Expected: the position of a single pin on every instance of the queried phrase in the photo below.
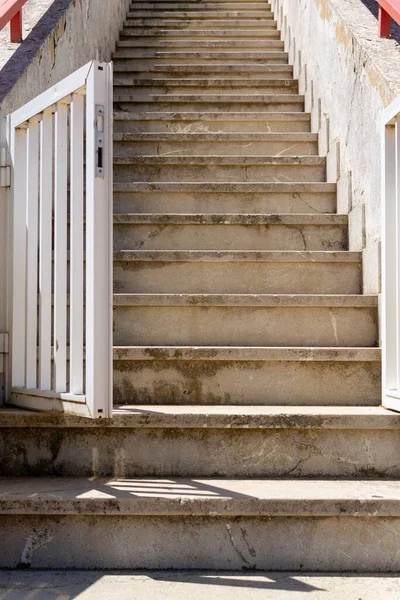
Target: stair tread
(155, 159)
(305, 300)
(209, 115)
(158, 496)
(225, 187)
(218, 416)
(246, 353)
(230, 219)
(267, 98)
(242, 255)
(232, 137)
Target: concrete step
(238, 69)
(189, 6)
(227, 144)
(284, 198)
(229, 232)
(220, 168)
(204, 441)
(188, 56)
(238, 375)
(163, 32)
(202, 23)
(201, 524)
(211, 122)
(194, 86)
(187, 15)
(196, 43)
(246, 103)
(244, 320)
(222, 272)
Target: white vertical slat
(397, 250)
(19, 154)
(98, 248)
(76, 246)
(389, 307)
(60, 246)
(45, 248)
(32, 194)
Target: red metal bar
(388, 9)
(16, 28)
(11, 12)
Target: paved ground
(92, 585)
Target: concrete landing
(203, 585)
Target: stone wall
(348, 75)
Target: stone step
(195, 86)
(313, 525)
(204, 441)
(234, 272)
(244, 320)
(211, 122)
(142, 70)
(246, 103)
(229, 232)
(192, 43)
(187, 15)
(162, 32)
(253, 56)
(232, 144)
(291, 376)
(204, 6)
(284, 198)
(220, 168)
(203, 23)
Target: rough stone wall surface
(68, 35)
(348, 75)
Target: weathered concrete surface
(179, 585)
(201, 451)
(348, 76)
(64, 38)
(147, 523)
(33, 12)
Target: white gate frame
(54, 139)
(390, 299)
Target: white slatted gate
(61, 331)
(390, 305)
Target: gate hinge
(5, 170)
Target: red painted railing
(11, 12)
(388, 9)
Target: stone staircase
(247, 432)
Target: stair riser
(199, 277)
(206, 15)
(178, 106)
(213, 148)
(246, 326)
(186, 6)
(195, 44)
(203, 88)
(203, 58)
(163, 32)
(216, 173)
(204, 23)
(265, 125)
(205, 70)
(199, 452)
(286, 383)
(212, 202)
(231, 543)
(230, 237)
